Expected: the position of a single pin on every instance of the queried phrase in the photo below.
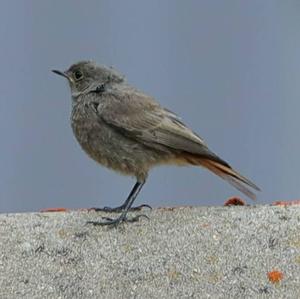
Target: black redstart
(126, 130)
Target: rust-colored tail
(223, 170)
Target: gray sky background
(231, 69)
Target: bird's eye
(78, 75)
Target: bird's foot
(117, 221)
(120, 209)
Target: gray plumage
(128, 131)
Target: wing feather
(140, 117)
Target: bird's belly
(113, 150)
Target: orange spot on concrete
(54, 210)
(205, 225)
(286, 203)
(234, 201)
(275, 276)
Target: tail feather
(223, 170)
(231, 176)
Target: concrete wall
(215, 252)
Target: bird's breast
(93, 136)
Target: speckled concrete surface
(215, 252)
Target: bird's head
(85, 76)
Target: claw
(117, 221)
(142, 206)
(120, 209)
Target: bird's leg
(125, 208)
(124, 205)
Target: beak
(60, 73)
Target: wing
(140, 117)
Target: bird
(128, 131)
